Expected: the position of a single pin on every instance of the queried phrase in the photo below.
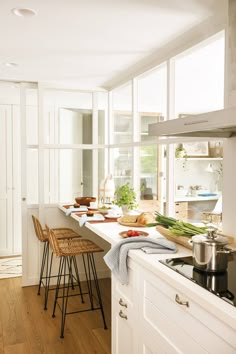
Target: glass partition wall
(83, 141)
(190, 83)
(73, 143)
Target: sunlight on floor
(10, 267)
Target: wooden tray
(183, 240)
(131, 224)
(124, 234)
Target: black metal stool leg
(45, 250)
(93, 266)
(78, 278)
(88, 280)
(58, 285)
(65, 296)
(48, 283)
(71, 278)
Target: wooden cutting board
(183, 240)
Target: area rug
(10, 267)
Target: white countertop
(110, 232)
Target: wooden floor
(25, 328)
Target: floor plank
(26, 328)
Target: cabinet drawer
(180, 215)
(188, 329)
(181, 206)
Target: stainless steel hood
(220, 124)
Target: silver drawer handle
(122, 303)
(180, 302)
(122, 315)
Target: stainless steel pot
(210, 253)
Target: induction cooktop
(222, 284)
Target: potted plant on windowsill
(125, 197)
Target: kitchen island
(161, 311)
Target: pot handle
(226, 251)
(190, 242)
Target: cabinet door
(6, 187)
(124, 315)
(180, 324)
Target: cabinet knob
(181, 302)
(122, 303)
(122, 315)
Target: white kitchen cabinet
(150, 316)
(124, 314)
(177, 323)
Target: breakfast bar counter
(155, 287)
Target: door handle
(122, 315)
(122, 303)
(181, 302)
(23, 199)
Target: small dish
(141, 233)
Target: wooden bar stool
(67, 251)
(61, 234)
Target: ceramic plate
(141, 233)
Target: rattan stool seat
(77, 247)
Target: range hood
(221, 124)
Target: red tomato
(132, 233)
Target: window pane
(122, 165)
(122, 114)
(148, 172)
(102, 117)
(152, 99)
(67, 174)
(198, 179)
(67, 117)
(102, 165)
(32, 176)
(75, 126)
(199, 78)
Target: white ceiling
(87, 43)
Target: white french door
(10, 214)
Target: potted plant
(180, 151)
(125, 197)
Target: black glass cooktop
(222, 285)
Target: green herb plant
(125, 195)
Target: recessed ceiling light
(21, 12)
(9, 64)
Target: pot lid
(199, 238)
(218, 239)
